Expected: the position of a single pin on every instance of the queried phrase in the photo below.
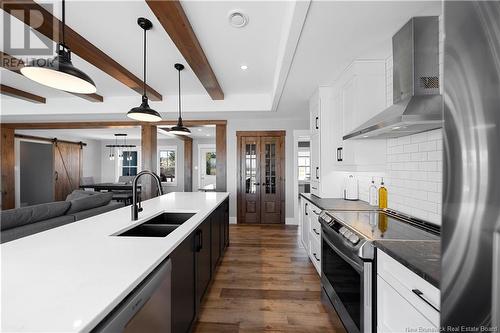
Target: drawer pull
(421, 296)
(315, 231)
(314, 254)
(314, 188)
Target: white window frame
(174, 148)
(119, 163)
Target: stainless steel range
(348, 259)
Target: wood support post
(221, 156)
(7, 167)
(149, 157)
(188, 165)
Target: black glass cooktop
(382, 226)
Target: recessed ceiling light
(199, 129)
(208, 134)
(244, 67)
(237, 19)
(396, 127)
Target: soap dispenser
(373, 194)
(382, 195)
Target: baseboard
(232, 220)
(291, 221)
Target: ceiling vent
(237, 19)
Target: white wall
(92, 155)
(261, 125)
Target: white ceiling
(133, 133)
(276, 37)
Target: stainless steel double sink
(158, 226)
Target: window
(211, 164)
(304, 164)
(168, 165)
(129, 163)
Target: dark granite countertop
(421, 257)
(337, 203)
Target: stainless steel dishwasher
(146, 309)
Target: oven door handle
(351, 262)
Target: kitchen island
(69, 278)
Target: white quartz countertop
(69, 278)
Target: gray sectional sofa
(25, 221)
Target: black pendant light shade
(179, 129)
(144, 112)
(59, 72)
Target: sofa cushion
(77, 194)
(33, 228)
(98, 210)
(13, 218)
(89, 202)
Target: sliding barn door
(67, 169)
(261, 177)
(250, 180)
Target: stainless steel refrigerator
(470, 290)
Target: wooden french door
(67, 168)
(261, 194)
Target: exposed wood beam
(51, 27)
(107, 124)
(21, 94)
(175, 22)
(14, 64)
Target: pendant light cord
(179, 95)
(63, 21)
(144, 83)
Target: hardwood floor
(265, 283)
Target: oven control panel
(349, 236)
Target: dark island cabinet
(194, 263)
(183, 285)
(203, 259)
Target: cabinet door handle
(257, 184)
(339, 154)
(314, 188)
(315, 257)
(316, 123)
(317, 171)
(315, 212)
(199, 236)
(315, 231)
(305, 209)
(421, 296)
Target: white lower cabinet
(310, 232)
(399, 308)
(304, 222)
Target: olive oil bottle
(382, 195)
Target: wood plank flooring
(265, 283)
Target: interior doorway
(207, 163)
(261, 177)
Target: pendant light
(59, 72)
(180, 129)
(144, 112)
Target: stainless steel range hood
(417, 103)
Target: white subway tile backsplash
(411, 148)
(427, 146)
(413, 175)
